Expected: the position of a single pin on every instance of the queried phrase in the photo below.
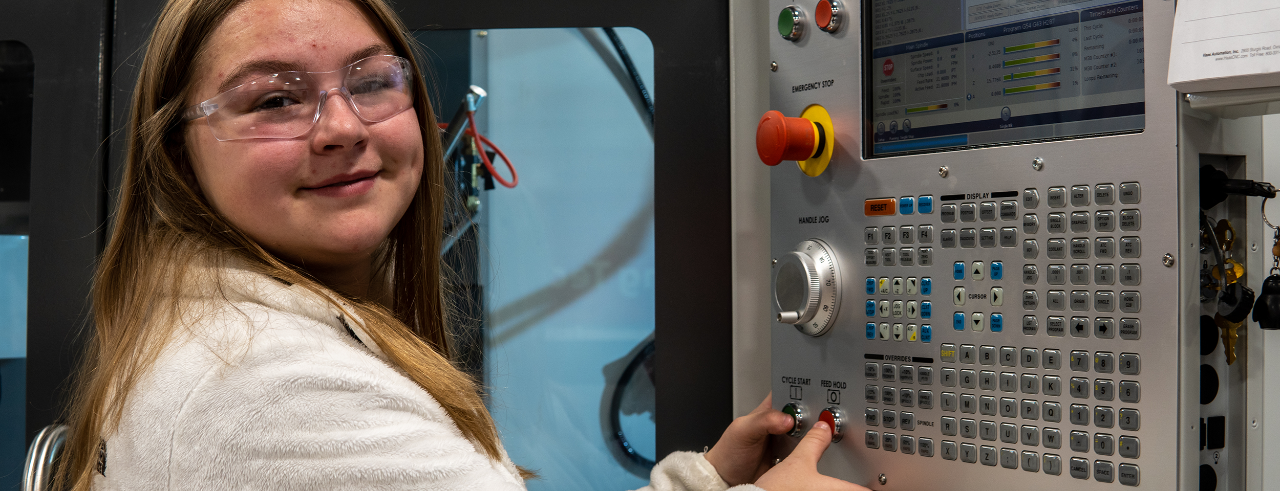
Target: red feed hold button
(823, 14)
(834, 419)
(781, 138)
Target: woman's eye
(275, 101)
(370, 85)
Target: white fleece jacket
(270, 387)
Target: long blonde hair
(163, 224)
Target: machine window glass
(17, 79)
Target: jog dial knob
(806, 287)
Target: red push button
(880, 207)
(827, 15)
(834, 420)
(781, 138)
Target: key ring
(1275, 258)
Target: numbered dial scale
(806, 288)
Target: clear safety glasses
(287, 104)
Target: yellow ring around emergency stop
(814, 166)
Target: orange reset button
(881, 207)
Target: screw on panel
(1168, 260)
(1187, 97)
(942, 171)
(773, 66)
(1037, 163)
(884, 479)
(775, 262)
(1253, 247)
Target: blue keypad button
(957, 321)
(871, 308)
(906, 205)
(926, 310)
(926, 333)
(871, 330)
(926, 286)
(997, 322)
(926, 204)
(997, 270)
(871, 286)
(957, 270)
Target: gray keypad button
(948, 213)
(1104, 274)
(1130, 329)
(1103, 471)
(1030, 324)
(1129, 447)
(968, 403)
(873, 394)
(1130, 247)
(1130, 302)
(1080, 248)
(1030, 274)
(1030, 357)
(890, 442)
(1104, 194)
(1056, 248)
(1130, 391)
(1056, 326)
(1130, 363)
(948, 426)
(1057, 196)
(1056, 274)
(1057, 223)
(987, 211)
(1030, 461)
(1104, 327)
(968, 453)
(889, 418)
(1104, 417)
(1056, 300)
(872, 416)
(949, 451)
(1052, 412)
(1030, 383)
(1008, 210)
(987, 380)
(968, 428)
(987, 237)
(889, 256)
(1104, 362)
(1080, 221)
(948, 352)
(907, 421)
(1030, 223)
(949, 376)
(925, 447)
(987, 405)
(889, 372)
(1104, 389)
(1079, 441)
(1128, 474)
(1030, 435)
(1008, 458)
(1104, 301)
(889, 395)
(1078, 467)
(1104, 247)
(987, 455)
(1079, 361)
(1104, 220)
(1008, 407)
(968, 354)
(873, 439)
(888, 234)
(968, 212)
(1080, 195)
(987, 430)
(1051, 359)
(1052, 438)
(1008, 356)
(1130, 220)
(925, 399)
(1130, 274)
(926, 256)
(907, 374)
(1030, 409)
(1079, 387)
(968, 238)
(1030, 249)
(925, 234)
(1079, 274)
(872, 257)
(948, 238)
(1008, 382)
(907, 444)
(871, 371)
(907, 234)
(1130, 193)
(907, 397)
(1008, 237)
(1080, 327)
(1052, 464)
(1079, 300)
(1030, 198)
(871, 235)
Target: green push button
(797, 417)
(790, 23)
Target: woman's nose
(339, 126)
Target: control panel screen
(953, 74)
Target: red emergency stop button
(781, 138)
(835, 420)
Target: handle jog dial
(806, 285)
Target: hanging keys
(1229, 336)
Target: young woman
(268, 311)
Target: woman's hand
(741, 456)
(799, 471)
